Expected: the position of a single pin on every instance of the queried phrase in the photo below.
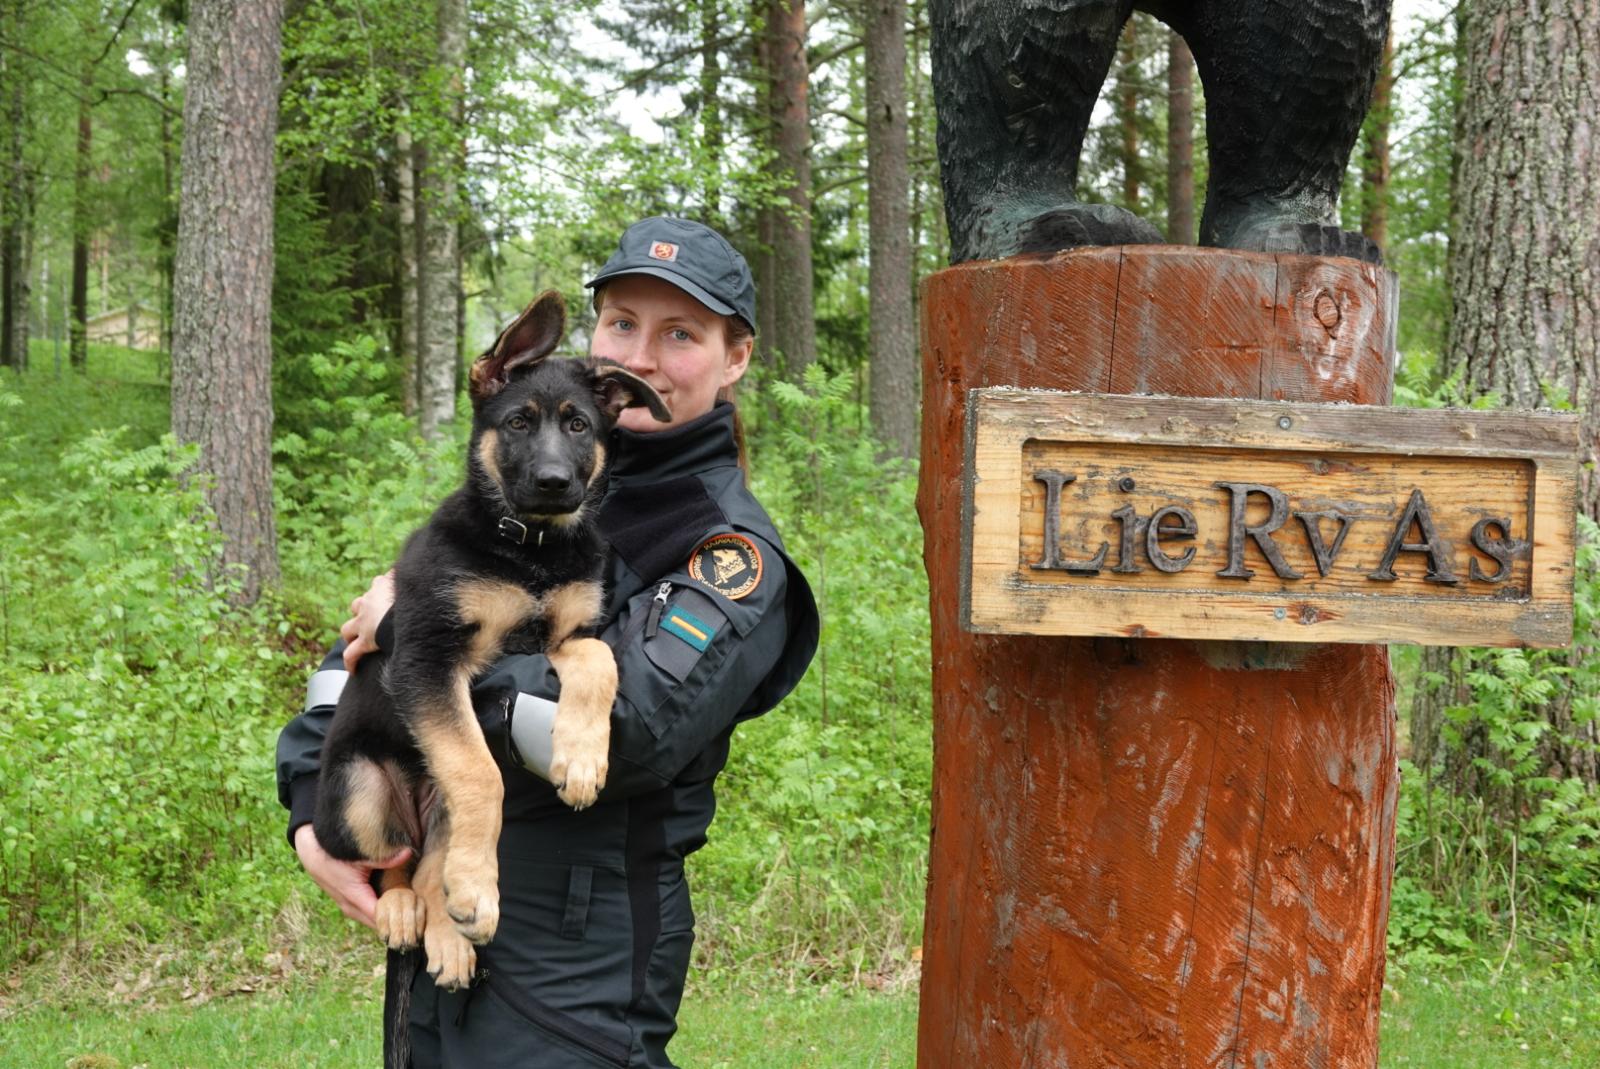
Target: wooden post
(1152, 854)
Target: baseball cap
(691, 256)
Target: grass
(1534, 1019)
(1522, 1020)
(331, 1024)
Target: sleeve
(692, 654)
(300, 742)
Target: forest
(247, 250)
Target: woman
(711, 623)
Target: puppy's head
(540, 426)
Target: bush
(140, 708)
(352, 486)
(1507, 848)
(818, 855)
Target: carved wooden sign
(1144, 516)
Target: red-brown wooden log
(1152, 854)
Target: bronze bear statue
(1287, 83)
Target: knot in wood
(1326, 309)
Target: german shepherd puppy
(511, 561)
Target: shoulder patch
(729, 563)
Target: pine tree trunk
(891, 329)
(78, 347)
(1180, 141)
(457, 274)
(1126, 97)
(764, 263)
(1526, 321)
(167, 233)
(437, 187)
(711, 135)
(12, 272)
(22, 291)
(1528, 233)
(794, 328)
(1429, 700)
(222, 293)
(1375, 152)
(406, 183)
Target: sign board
(1178, 517)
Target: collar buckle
(514, 529)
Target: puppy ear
(530, 338)
(617, 388)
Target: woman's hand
(348, 883)
(366, 613)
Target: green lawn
(1516, 1022)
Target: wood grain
(1363, 463)
(1148, 852)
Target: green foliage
(139, 706)
(354, 483)
(1496, 842)
(818, 854)
(312, 302)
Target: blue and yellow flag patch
(689, 627)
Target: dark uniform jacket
(711, 623)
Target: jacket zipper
(658, 605)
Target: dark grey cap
(691, 256)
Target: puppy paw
(579, 762)
(451, 959)
(400, 916)
(472, 896)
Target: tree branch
(116, 33)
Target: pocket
(560, 961)
(691, 640)
(602, 1048)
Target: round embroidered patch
(730, 564)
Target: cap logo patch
(664, 250)
(730, 564)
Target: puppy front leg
(451, 742)
(581, 738)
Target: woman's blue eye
(622, 324)
(682, 335)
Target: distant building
(134, 327)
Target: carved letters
(1140, 516)
(1412, 530)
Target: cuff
(302, 802)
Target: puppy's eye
(518, 423)
(578, 425)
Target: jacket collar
(704, 442)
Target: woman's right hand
(366, 613)
(348, 883)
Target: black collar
(514, 530)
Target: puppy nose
(552, 480)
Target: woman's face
(672, 341)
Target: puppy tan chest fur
(497, 608)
